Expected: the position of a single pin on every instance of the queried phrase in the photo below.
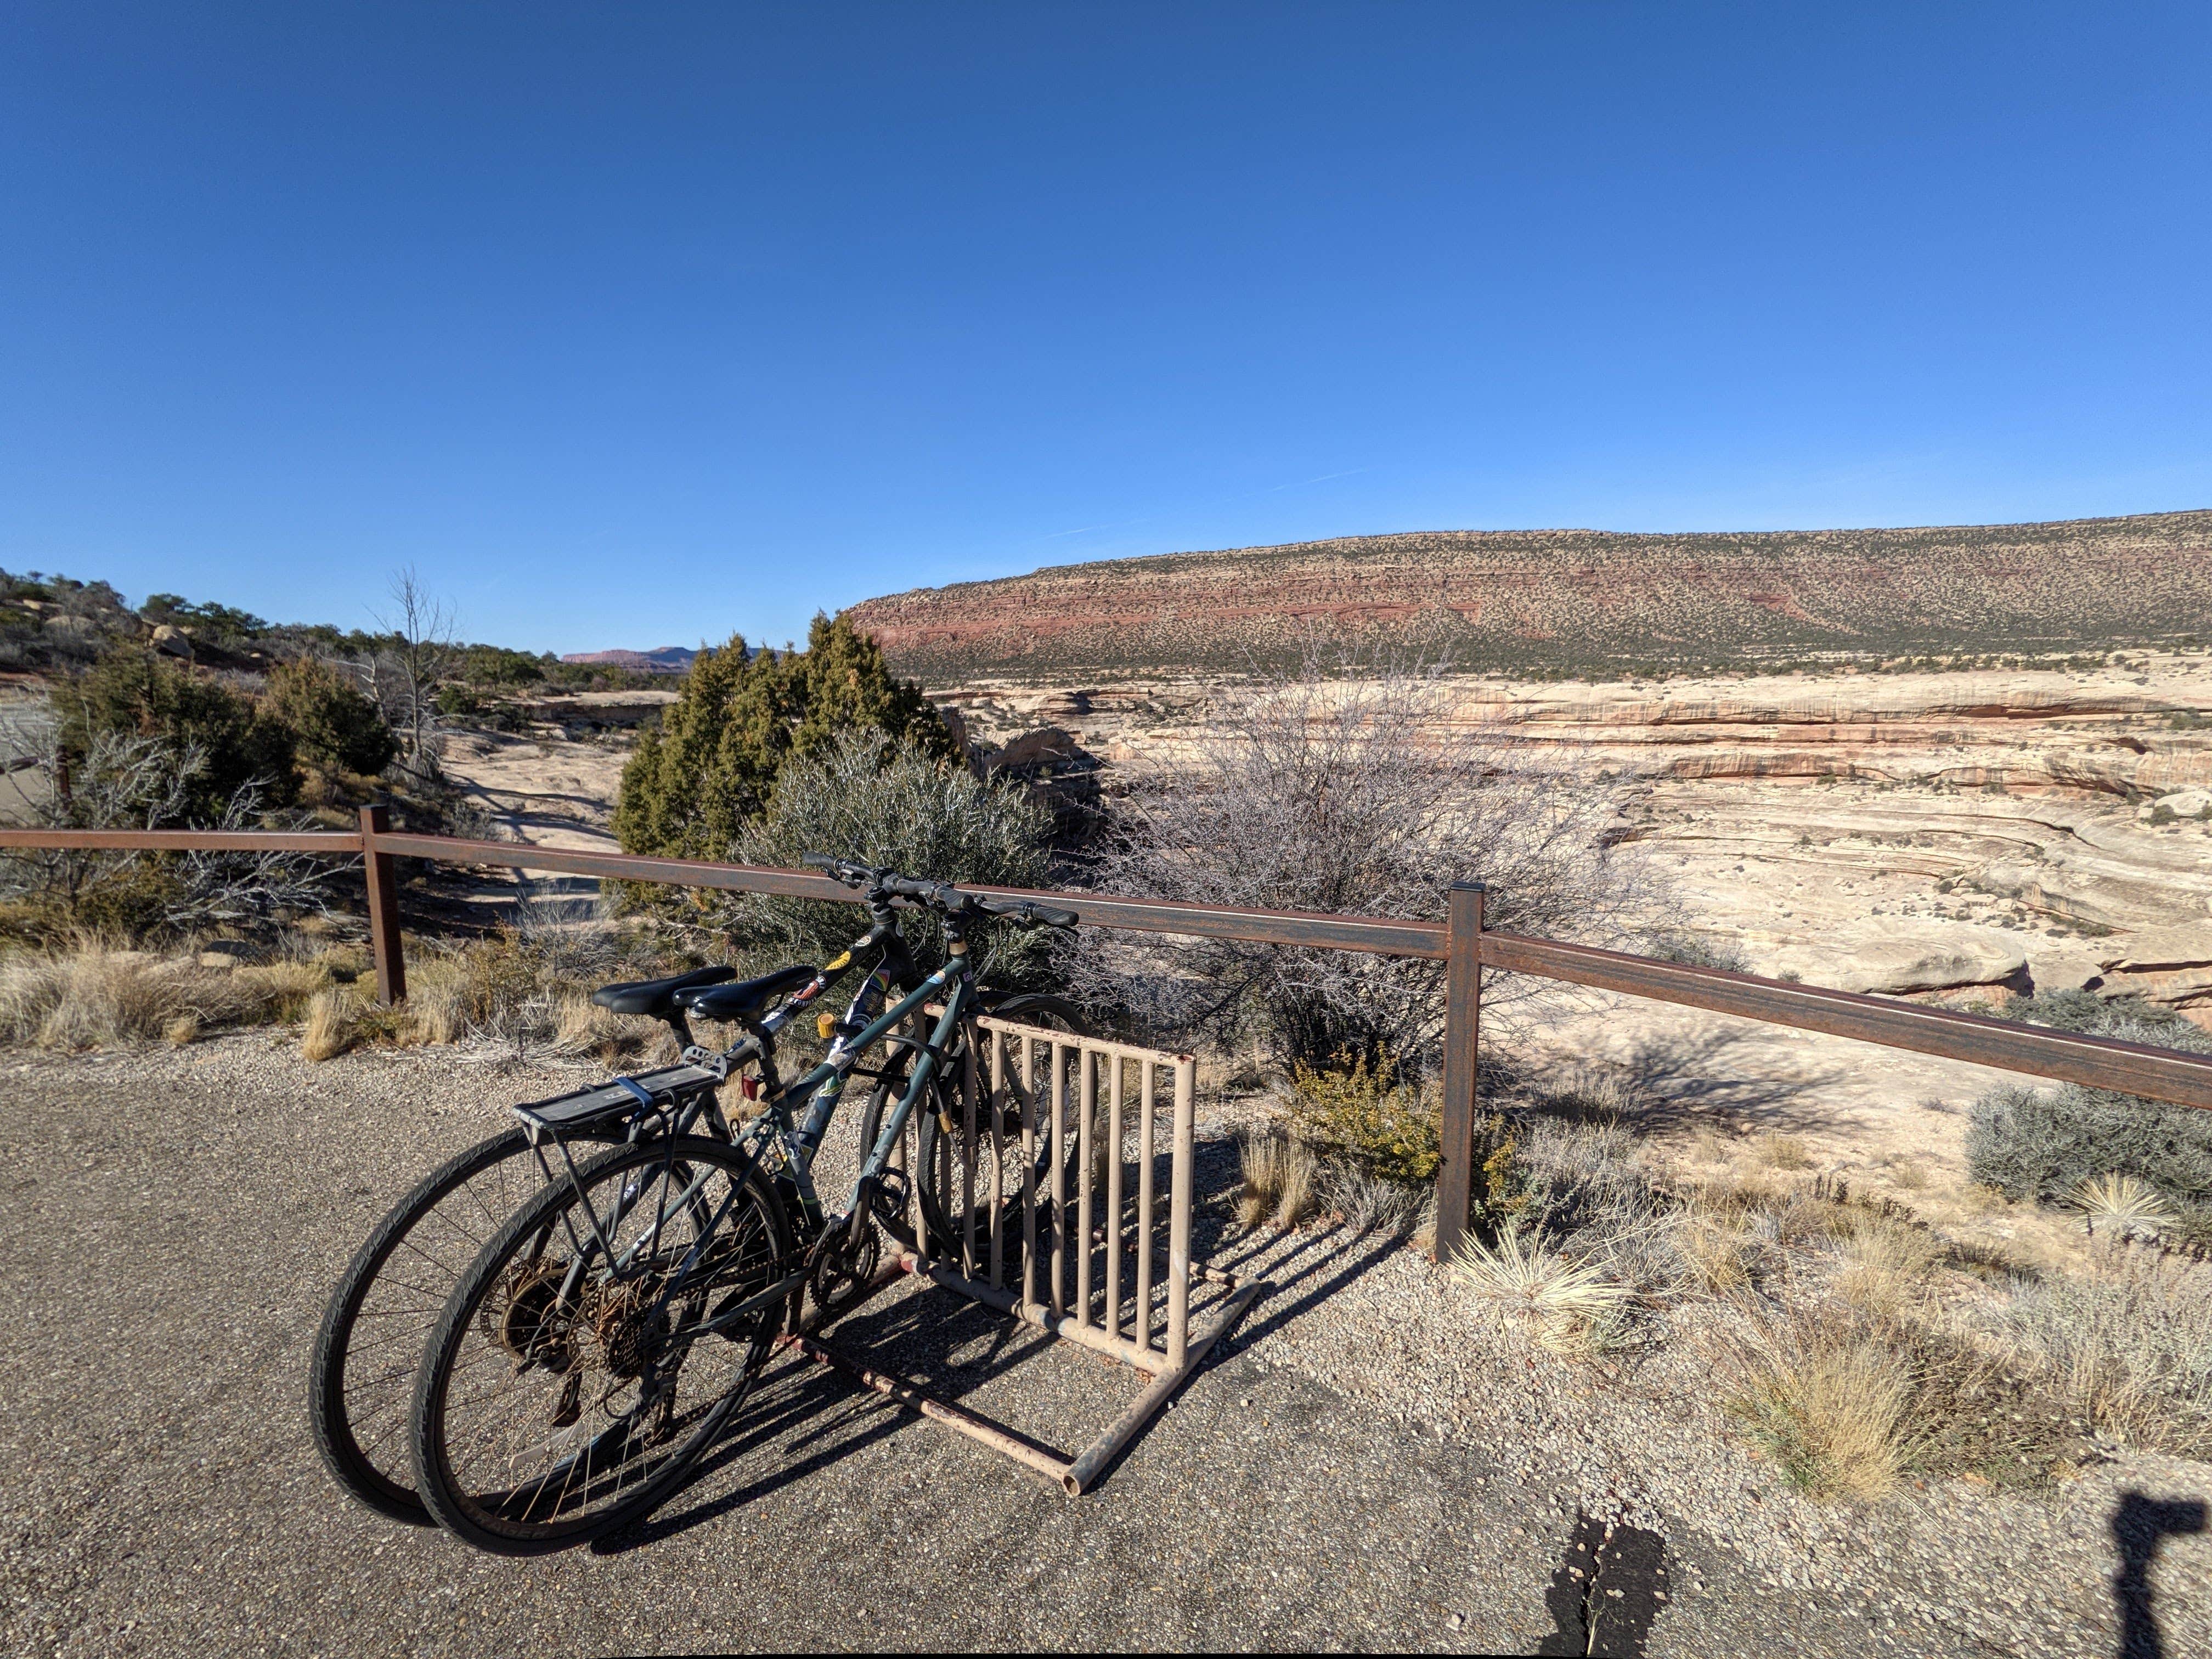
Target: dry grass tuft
(328, 1033)
(1905, 1173)
(1720, 1249)
(1281, 1179)
(94, 994)
(1567, 1306)
(2130, 1342)
(1781, 1151)
(1832, 1408)
(1886, 1267)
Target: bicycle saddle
(746, 998)
(657, 997)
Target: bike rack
(1140, 1318)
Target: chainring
(844, 1267)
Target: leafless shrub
(137, 782)
(1362, 796)
(402, 673)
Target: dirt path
(175, 1221)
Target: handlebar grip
(1027, 911)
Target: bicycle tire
(365, 1454)
(507, 1312)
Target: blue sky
(638, 325)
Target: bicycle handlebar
(939, 895)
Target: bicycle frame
(822, 1089)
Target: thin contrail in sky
(1300, 483)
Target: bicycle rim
(361, 1381)
(560, 1399)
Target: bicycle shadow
(804, 1418)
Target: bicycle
(546, 1409)
(401, 1277)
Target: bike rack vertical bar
(384, 946)
(1114, 1233)
(1146, 1108)
(1462, 1030)
(1086, 1150)
(1186, 1111)
(1059, 1178)
(967, 1083)
(1029, 1172)
(998, 1159)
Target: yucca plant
(1567, 1306)
(2126, 1205)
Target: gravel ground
(1364, 1465)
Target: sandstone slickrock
(1896, 956)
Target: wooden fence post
(384, 944)
(1462, 1030)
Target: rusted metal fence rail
(1460, 942)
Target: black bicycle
(386, 1304)
(609, 1330)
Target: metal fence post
(1462, 1030)
(384, 943)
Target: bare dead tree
(1358, 793)
(404, 676)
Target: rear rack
(623, 1098)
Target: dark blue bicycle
(608, 1333)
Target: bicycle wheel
(573, 1379)
(362, 1377)
(945, 1162)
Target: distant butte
(665, 659)
(1579, 601)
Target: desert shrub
(2129, 1341)
(133, 693)
(1314, 794)
(868, 797)
(2046, 1144)
(1698, 950)
(334, 725)
(710, 769)
(2130, 1016)
(1367, 1116)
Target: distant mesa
(667, 660)
(1574, 601)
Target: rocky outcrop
(1897, 956)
